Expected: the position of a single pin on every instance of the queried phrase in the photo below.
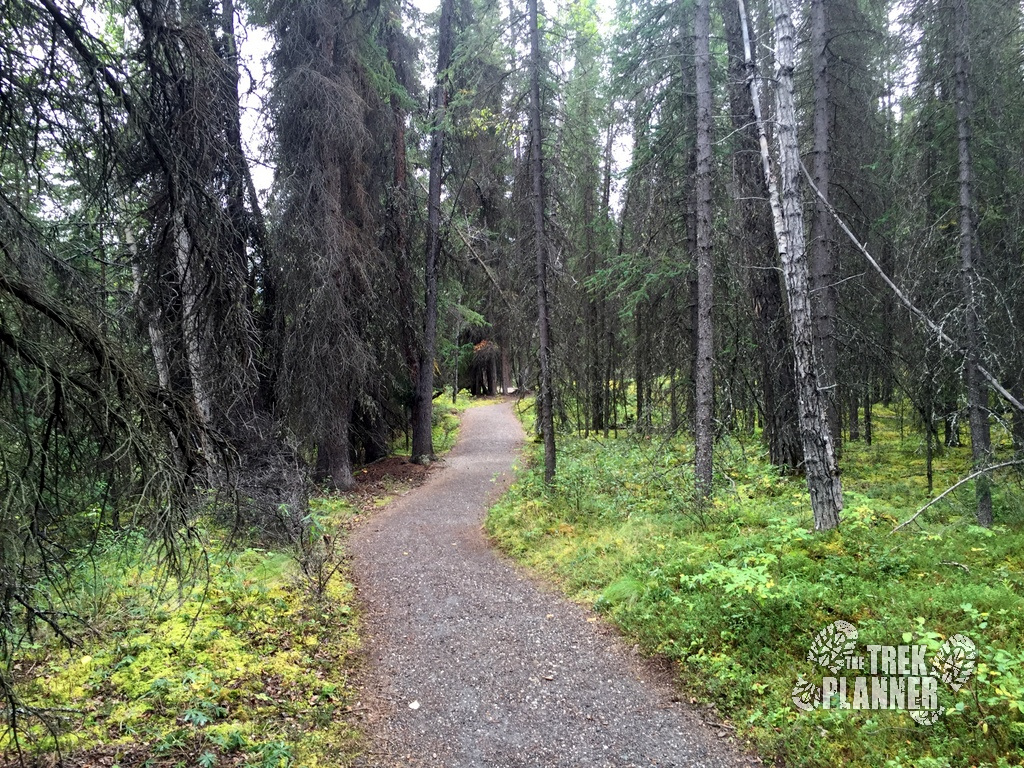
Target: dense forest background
(662, 217)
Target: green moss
(243, 662)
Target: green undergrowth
(736, 592)
(246, 662)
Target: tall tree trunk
(867, 414)
(757, 242)
(688, 98)
(977, 393)
(928, 417)
(601, 351)
(820, 465)
(422, 410)
(823, 259)
(333, 452)
(397, 234)
(506, 365)
(192, 328)
(589, 381)
(705, 383)
(546, 400)
(854, 400)
(639, 370)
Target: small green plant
(317, 552)
(273, 754)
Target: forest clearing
(751, 268)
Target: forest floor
(733, 592)
(447, 652)
(470, 662)
(244, 659)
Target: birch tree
(820, 465)
(755, 239)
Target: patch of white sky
(905, 59)
(254, 46)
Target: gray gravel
(498, 669)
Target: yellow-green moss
(243, 663)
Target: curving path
(499, 671)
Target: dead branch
(913, 517)
(905, 300)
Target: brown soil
(373, 478)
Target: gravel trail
(473, 663)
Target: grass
(735, 591)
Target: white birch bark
(820, 466)
(191, 325)
(153, 314)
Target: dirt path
(474, 664)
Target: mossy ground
(735, 592)
(244, 663)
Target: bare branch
(941, 334)
(986, 470)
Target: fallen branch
(953, 487)
(955, 564)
